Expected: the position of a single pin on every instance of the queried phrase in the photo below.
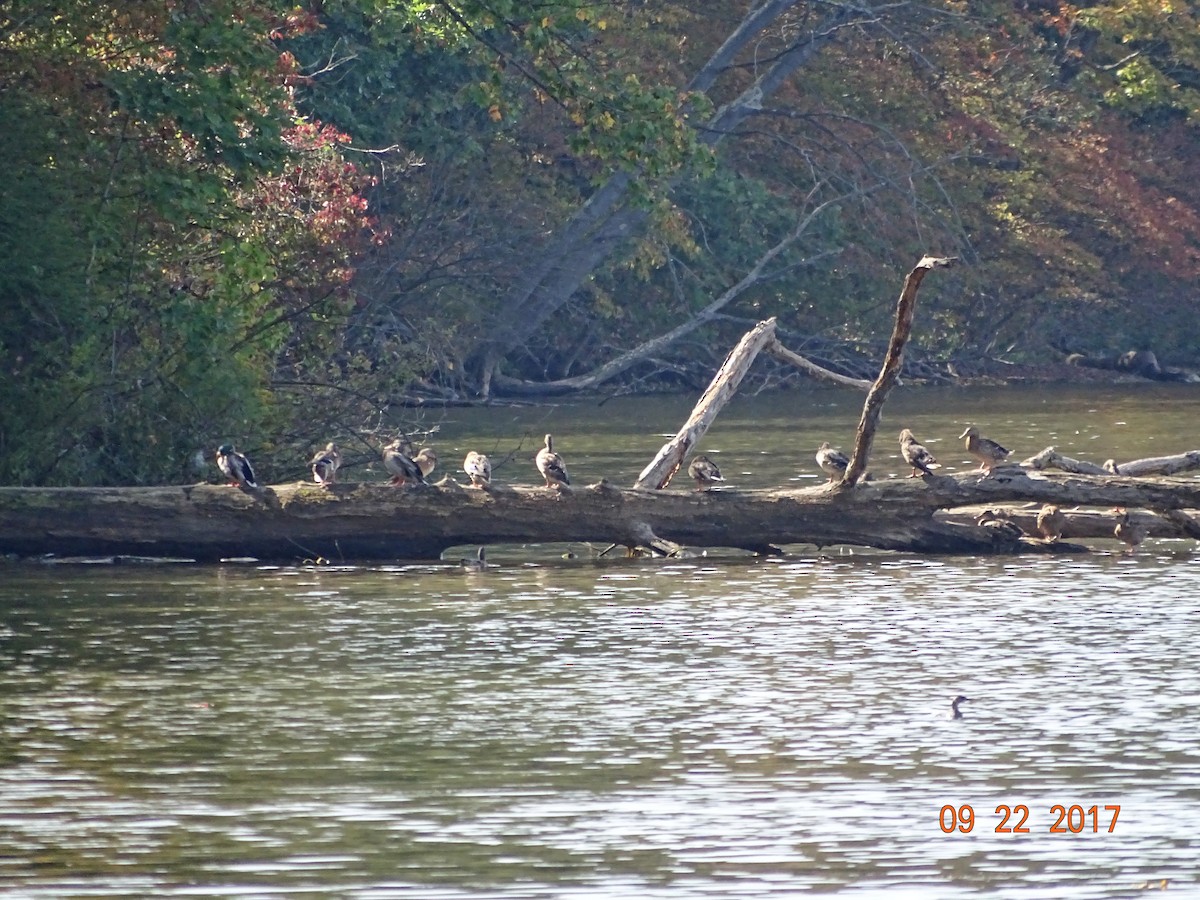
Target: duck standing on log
(236, 468)
(552, 467)
(325, 464)
(833, 462)
(915, 454)
(478, 468)
(1128, 532)
(403, 468)
(704, 472)
(987, 451)
(426, 461)
(1050, 522)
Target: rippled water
(573, 728)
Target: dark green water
(551, 728)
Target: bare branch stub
(890, 373)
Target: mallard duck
(551, 465)
(704, 472)
(1050, 522)
(999, 521)
(403, 468)
(479, 468)
(955, 712)
(325, 464)
(426, 461)
(478, 564)
(987, 451)
(236, 467)
(832, 461)
(1127, 531)
(921, 460)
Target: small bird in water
(325, 464)
(833, 462)
(552, 467)
(402, 467)
(955, 712)
(704, 472)
(987, 451)
(236, 467)
(1050, 522)
(478, 564)
(921, 460)
(1127, 531)
(478, 468)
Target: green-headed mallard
(478, 468)
(1050, 522)
(921, 460)
(325, 464)
(1127, 531)
(955, 712)
(833, 462)
(704, 472)
(402, 467)
(236, 467)
(551, 465)
(987, 451)
(426, 461)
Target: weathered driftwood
(1137, 468)
(720, 390)
(889, 374)
(376, 521)
(1084, 523)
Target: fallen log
(1150, 465)
(349, 521)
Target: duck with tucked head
(426, 461)
(401, 466)
(987, 451)
(236, 467)
(704, 472)
(552, 467)
(325, 464)
(833, 462)
(1050, 522)
(922, 461)
(478, 468)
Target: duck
(403, 468)
(552, 467)
(426, 461)
(833, 462)
(325, 464)
(1050, 522)
(1127, 531)
(704, 472)
(987, 451)
(478, 468)
(955, 712)
(236, 467)
(478, 564)
(915, 454)
(991, 518)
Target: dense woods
(276, 223)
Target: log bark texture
(375, 521)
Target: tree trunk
(591, 235)
(376, 521)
